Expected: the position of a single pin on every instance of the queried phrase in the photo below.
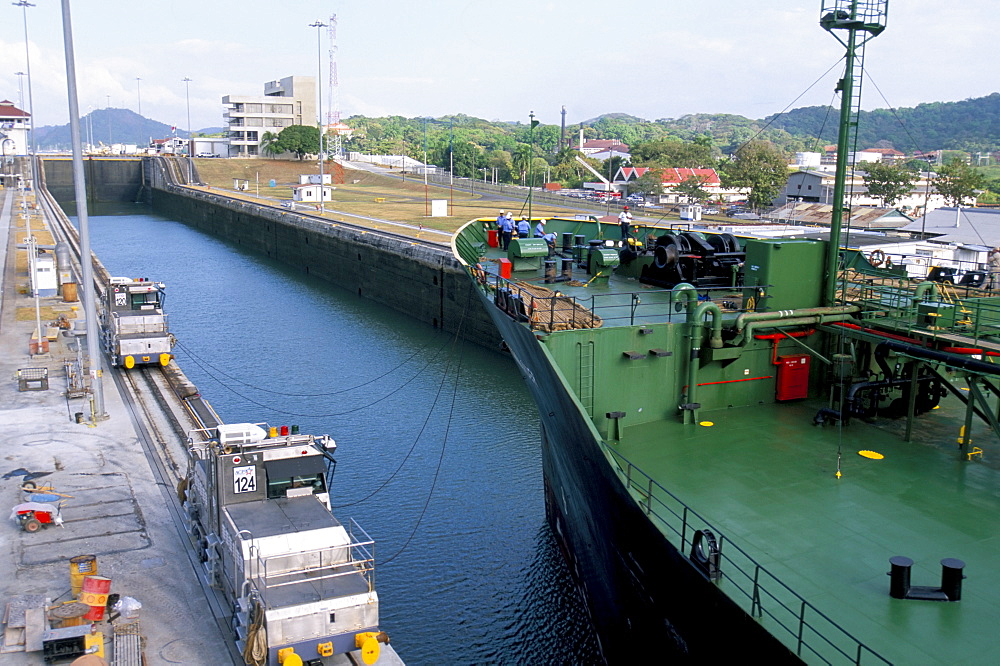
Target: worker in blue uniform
(506, 226)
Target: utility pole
(531, 159)
(80, 188)
(24, 4)
(187, 98)
(319, 87)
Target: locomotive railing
(785, 613)
(356, 558)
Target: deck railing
(563, 312)
(810, 633)
(356, 558)
(957, 309)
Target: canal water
(438, 444)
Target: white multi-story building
(288, 101)
(810, 186)
(14, 125)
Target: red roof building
(14, 124)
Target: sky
(494, 60)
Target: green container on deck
(526, 253)
(788, 272)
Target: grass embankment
(362, 193)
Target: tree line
(746, 153)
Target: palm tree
(522, 157)
(270, 144)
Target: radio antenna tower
(333, 115)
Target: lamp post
(187, 100)
(427, 204)
(138, 96)
(451, 166)
(80, 189)
(531, 158)
(24, 4)
(319, 87)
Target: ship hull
(641, 592)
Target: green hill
(970, 125)
(106, 126)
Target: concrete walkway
(117, 512)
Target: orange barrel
(69, 292)
(95, 594)
(80, 566)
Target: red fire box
(505, 268)
(793, 377)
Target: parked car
(711, 211)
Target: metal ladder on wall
(586, 374)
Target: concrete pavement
(118, 510)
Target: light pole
(80, 189)
(427, 204)
(531, 158)
(138, 95)
(319, 87)
(187, 99)
(451, 166)
(24, 4)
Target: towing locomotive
(300, 582)
(134, 327)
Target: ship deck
(765, 478)
(803, 550)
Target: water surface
(438, 444)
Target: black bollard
(951, 578)
(567, 269)
(899, 576)
(567, 242)
(550, 270)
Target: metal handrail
(800, 620)
(545, 310)
(893, 299)
(360, 560)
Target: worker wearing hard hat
(625, 221)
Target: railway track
(164, 407)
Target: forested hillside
(971, 125)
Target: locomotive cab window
(277, 488)
(145, 301)
(295, 476)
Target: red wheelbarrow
(31, 516)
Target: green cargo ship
(742, 437)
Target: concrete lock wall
(107, 179)
(423, 282)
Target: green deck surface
(766, 479)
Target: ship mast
(861, 20)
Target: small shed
(45, 273)
(315, 179)
(311, 192)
